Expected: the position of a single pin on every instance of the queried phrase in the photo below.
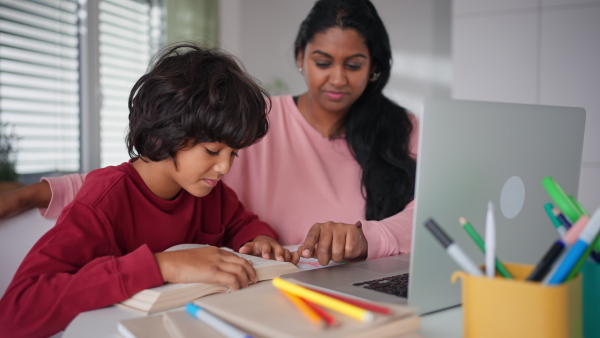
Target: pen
(591, 251)
(555, 251)
(320, 299)
(216, 323)
(308, 311)
(561, 217)
(459, 256)
(479, 241)
(560, 198)
(555, 221)
(579, 207)
(356, 302)
(490, 241)
(578, 250)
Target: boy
(188, 117)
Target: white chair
(17, 235)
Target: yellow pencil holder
(500, 307)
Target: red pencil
(324, 314)
(363, 304)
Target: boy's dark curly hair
(190, 95)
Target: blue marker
(588, 235)
(216, 323)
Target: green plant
(8, 150)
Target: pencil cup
(591, 299)
(499, 307)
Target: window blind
(126, 45)
(39, 82)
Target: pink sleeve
(393, 235)
(390, 236)
(64, 189)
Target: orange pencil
(309, 312)
(324, 314)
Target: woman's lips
(335, 95)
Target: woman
(336, 172)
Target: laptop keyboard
(393, 285)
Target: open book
(172, 295)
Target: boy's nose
(223, 167)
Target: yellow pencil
(326, 301)
(314, 317)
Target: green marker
(555, 221)
(579, 206)
(479, 241)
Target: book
(172, 295)
(263, 311)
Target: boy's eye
(212, 153)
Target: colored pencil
(362, 304)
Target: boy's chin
(199, 192)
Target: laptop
(470, 153)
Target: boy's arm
(75, 267)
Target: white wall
(534, 51)
(262, 33)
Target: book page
(310, 263)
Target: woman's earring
(300, 70)
(374, 77)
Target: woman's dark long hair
(377, 129)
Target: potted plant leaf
(8, 150)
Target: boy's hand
(268, 248)
(334, 241)
(207, 265)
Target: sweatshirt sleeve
(390, 236)
(64, 189)
(241, 226)
(75, 267)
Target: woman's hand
(13, 202)
(334, 241)
(268, 248)
(207, 265)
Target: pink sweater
(293, 179)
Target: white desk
(103, 323)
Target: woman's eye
(323, 64)
(212, 153)
(354, 67)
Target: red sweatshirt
(101, 250)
